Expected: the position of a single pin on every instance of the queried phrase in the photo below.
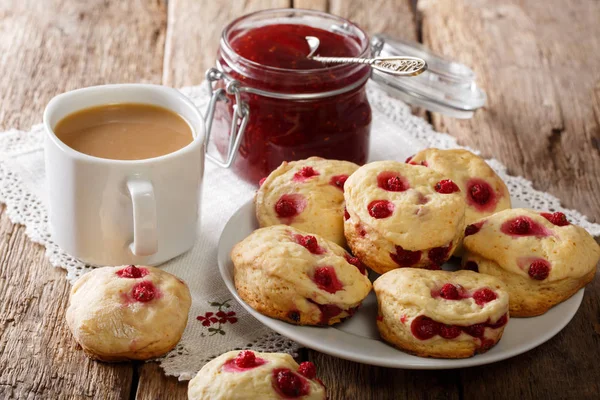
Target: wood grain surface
(537, 61)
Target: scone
(128, 313)
(541, 257)
(246, 375)
(484, 192)
(308, 195)
(303, 279)
(400, 215)
(441, 314)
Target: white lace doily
(216, 322)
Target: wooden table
(537, 60)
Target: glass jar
(272, 104)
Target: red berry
(328, 311)
(380, 209)
(500, 323)
(424, 328)
(472, 229)
(310, 243)
(471, 266)
(408, 159)
(439, 255)
(308, 369)
(539, 270)
(392, 182)
(327, 280)
(289, 384)
(339, 181)
(483, 296)
(480, 193)
(305, 173)
(144, 291)
(245, 359)
(356, 262)
(395, 184)
(262, 180)
(131, 271)
(446, 186)
(449, 331)
(289, 205)
(346, 214)
(557, 218)
(449, 292)
(476, 330)
(405, 258)
(520, 226)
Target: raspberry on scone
(541, 257)
(297, 277)
(128, 313)
(484, 191)
(441, 314)
(248, 375)
(399, 215)
(306, 194)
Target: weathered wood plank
(154, 385)
(47, 48)
(193, 35)
(542, 121)
(320, 5)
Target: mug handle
(145, 239)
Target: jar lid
(446, 87)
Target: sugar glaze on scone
(128, 313)
(441, 314)
(400, 215)
(541, 257)
(248, 375)
(300, 278)
(308, 195)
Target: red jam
(263, 51)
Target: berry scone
(441, 314)
(541, 257)
(240, 375)
(400, 215)
(128, 313)
(288, 274)
(308, 195)
(484, 192)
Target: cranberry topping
(338, 181)
(262, 180)
(392, 182)
(379, 318)
(294, 316)
(439, 255)
(131, 271)
(483, 296)
(380, 209)
(144, 291)
(327, 280)
(476, 330)
(557, 218)
(472, 229)
(524, 226)
(499, 323)
(310, 243)
(449, 331)
(328, 311)
(403, 318)
(471, 266)
(308, 369)
(305, 173)
(446, 186)
(356, 262)
(290, 205)
(480, 194)
(539, 270)
(424, 328)
(449, 292)
(346, 214)
(409, 159)
(405, 258)
(245, 359)
(289, 384)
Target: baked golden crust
(322, 193)
(280, 277)
(109, 323)
(423, 219)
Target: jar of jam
(271, 103)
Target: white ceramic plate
(357, 338)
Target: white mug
(116, 212)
